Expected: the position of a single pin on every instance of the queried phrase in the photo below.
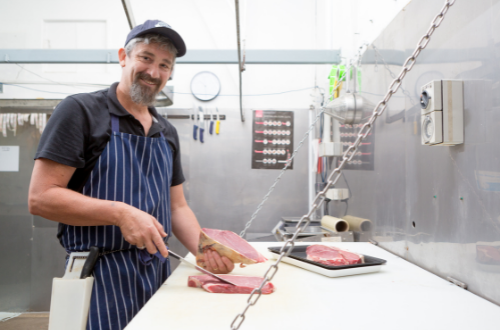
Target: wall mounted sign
(9, 158)
(272, 139)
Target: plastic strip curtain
(10, 121)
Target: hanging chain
(405, 92)
(348, 155)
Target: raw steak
(332, 256)
(245, 284)
(227, 244)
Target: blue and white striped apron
(135, 170)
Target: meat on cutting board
(227, 244)
(332, 256)
(244, 284)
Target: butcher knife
(175, 255)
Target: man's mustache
(148, 78)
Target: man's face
(146, 72)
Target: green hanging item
(340, 71)
(336, 72)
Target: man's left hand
(216, 264)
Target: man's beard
(144, 95)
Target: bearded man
(108, 169)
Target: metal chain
(405, 92)
(348, 155)
(264, 200)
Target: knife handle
(170, 253)
(195, 130)
(88, 266)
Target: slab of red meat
(227, 244)
(244, 284)
(332, 256)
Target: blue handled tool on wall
(211, 130)
(195, 127)
(201, 123)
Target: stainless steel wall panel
(223, 189)
(31, 254)
(16, 224)
(48, 261)
(435, 205)
(15, 261)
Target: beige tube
(334, 224)
(358, 224)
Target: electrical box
(337, 194)
(442, 113)
(330, 149)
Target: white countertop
(400, 296)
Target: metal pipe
(128, 12)
(240, 69)
(194, 56)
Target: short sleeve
(64, 138)
(173, 140)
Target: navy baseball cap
(161, 28)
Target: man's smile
(148, 82)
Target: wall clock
(205, 86)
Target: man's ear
(121, 56)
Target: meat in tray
(300, 253)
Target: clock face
(205, 86)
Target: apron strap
(115, 123)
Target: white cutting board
(399, 296)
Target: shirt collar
(114, 105)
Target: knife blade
(175, 255)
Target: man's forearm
(72, 208)
(186, 228)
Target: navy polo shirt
(80, 128)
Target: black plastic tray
(299, 253)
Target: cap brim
(170, 34)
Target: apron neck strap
(115, 123)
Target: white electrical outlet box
(429, 121)
(330, 149)
(442, 114)
(337, 194)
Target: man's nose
(154, 72)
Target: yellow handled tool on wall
(217, 123)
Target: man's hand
(216, 264)
(143, 230)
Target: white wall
(276, 24)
